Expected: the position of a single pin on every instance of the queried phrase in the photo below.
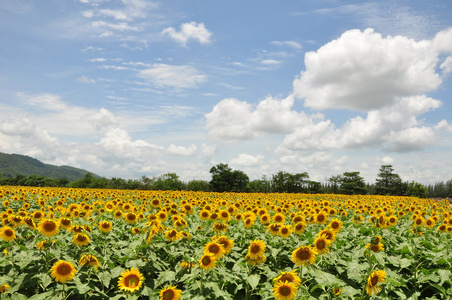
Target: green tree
(335, 181)
(284, 182)
(352, 184)
(416, 189)
(388, 182)
(259, 186)
(224, 179)
(168, 182)
(198, 186)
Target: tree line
(225, 179)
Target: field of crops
(115, 244)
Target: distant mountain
(12, 165)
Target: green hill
(12, 165)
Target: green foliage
(12, 165)
(416, 189)
(352, 184)
(388, 182)
(224, 179)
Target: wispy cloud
(184, 76)
(189, 31)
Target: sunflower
(162, 216)
(207, 262)
(321, 244)
(419, 221)
(224, 215)
(170, 293)
(105, 226)
(256, 249)
(81, 239)
(3, 288)
(299, 227)
(172, 235)
(373, 282)
(284, 290)
(223, 240)
(274, 228)
(187, 265)
(220, 227)
(335, 225)
(90, 260)
(48, 227)
(215, 249)
(392, 220)
(131, 218)
(118, 214)
(265, 218)
(303, 256)
(279, 218)
(289, 277)
(7, 234)
(442, 227)
(255, 261)
(249, 222)
(430, 222)
(204, 215)
(321, 218)
(375, 247)
(63, 271)
(130, 280)
(328, 234)
(65, 223)
(285, 231)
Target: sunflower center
(168, 295)
(284, 231)
(255, 249)
(206, 260)
(49, 226)
(303, 254)
(285, 291)
(321, 244)
(64, 269)
(132, 280)
(286, 278)
(105, 225)
(81, 238)
(214, 249)
(8, 232)
(374, 280)
(320, 218)
(65, 222)
(335, 225)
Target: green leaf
(405, 262)
(217, 291)
(17, 296)
(165, 276)
(136, 263)
(253, 280)
(444, 275)
(43, 296)
(105, 278)
(325, 279)
(46, 280)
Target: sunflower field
(61, 243)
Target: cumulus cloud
(85, 79)
(181, 150)
(364, 71)
(162, 75)
(232, 119)
(189, 31)
(247, 160)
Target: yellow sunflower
(303, 256)
(172, 235)
(225, 241)
(105, 226)
(285, 231)
(220, 227)
(335, 225)
(63, 271)
(48, 227)
(207, 262)
(289, 277)
(7, 234)
(321, 218)
(89, 260)
(65, 223)
(3, 288)
(279, 218)
(131, 218)
(81, 239)
(256, 249)
(170, 293)
(274, 228)
(373, 282)
(375, 247)
(131, 280)
(321, 244)
(204, 215)
(215, 249)
(284, 290)
(299, 227)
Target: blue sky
(130, 88)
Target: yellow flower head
(285, 231)
(256, 249)
(303, 256)
(284, 290)
(7, 234)
(215, 249)
(105, 226)
(81, 239)
(225, 241)
(289, 277)
(373, 282)
(89, 260)
(207, 261)
(48, 227)
(170, 293)
(131, 280)
(63, 271)
(321, 244)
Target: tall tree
(224, 179)
(388, 182)
(352, 184)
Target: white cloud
(364, 71)
(189, 31)
(184, 76)
(247, 160)
(291, 44)
(85, 79)
(181, 150)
